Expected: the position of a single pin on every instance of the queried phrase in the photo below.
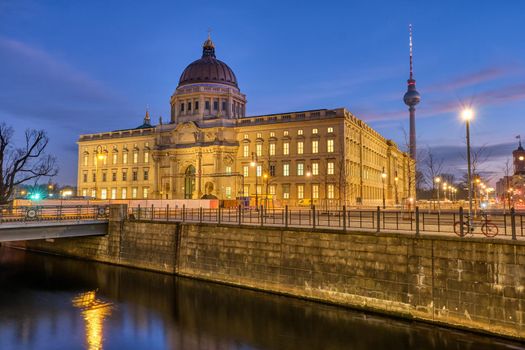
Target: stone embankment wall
(469, 283)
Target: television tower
(411, 99)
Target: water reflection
(94, 312)
(41, 295)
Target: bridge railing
(11, 214)
(509, 224)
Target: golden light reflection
(94, 312)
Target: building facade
(510, 189)
(211, 149)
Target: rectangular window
(84, 177)
(286, 169)
(228, 192)
(146, 174)
(182, 107)
(145, 192)
(115, 158)
(84, 193)
(104, 193)
(246, 150)
(271, 190)
(196, 105)
(300, 132)
(228, 170)
(259, 189)
(246, 136)
(300, 169)
(330, 146)
(124, 175)
(94, 177)
(94, 193)
(245, 171)
(114, 176)
(286, 191)
(259, 135)
(300, 147)
(146, 157)
(125, 158)
(315, 168)
(207, 105)
(189, 106)
(223, 106)
(134, 191)
(315, 131)
(286, 148)
(94, 159)
(272, 170)
(113, 193)
(330, 129)
(215, 105)
(315, 146)
(134, 175)
(246, 190)
(258, 149)
(124, 193)
(330, 168)
(300, 191)
(86, 160)
(331, 191)
(272, 133)
(285, 133)
(135, 157)
(259, 170)
(315, 191)
(272, 149)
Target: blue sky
(81, 67)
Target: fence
(10, 214)
(376, 220)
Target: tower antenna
(410, 41)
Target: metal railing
(36, 213)
(375, 220)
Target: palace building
(211, 149)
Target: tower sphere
(412, 97)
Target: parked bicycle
(488, 228)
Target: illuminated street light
(438, 180)
(383, 177)
(253, 164)
(468, 115)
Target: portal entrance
(189, 182)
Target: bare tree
(23, 164)
(433, 167)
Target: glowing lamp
(467, 114)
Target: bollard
(240, 214)
(344, 218)
(461, 233)
(286, 216)
(417, 221)
(313, 216)
(513, 222)
(200, 215)
(378, 218)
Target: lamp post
(99, 156)
(445, 185)
(265, 177)
(438, 181)
(254, 165)
(396, 179)
(308, 176)
(467, 116)
(383, 177)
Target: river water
(49, 302)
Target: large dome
(208, 69)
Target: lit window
(300, 169)
(286, 191)
(285, 133)
(315, 146)
(125, 158)
(135, 157)
(246, 190)
(95, 159)
(84, 193)
(331, 191)
(245, 171)
(271, 189)
(258, 189)
(246, 136)
(272, 133)
(300, 147)
(115, 158)
(124, 175)
(94, 193)
(315, 168)
(330, 146)
(272, 149)
(259, 170)
(286, 148)
(134, 191)
(315, 191)
(286, 169)
(146, 157)
(145, 192)
(330, 129)
(300, 132)
(330, 168)
(300, 191)
(228, 192)
(228, 170)
(258, 149)
(259, 135)
(104, 193)
(124, 193)
(113, 193)
(146, 174)
(315, 131)
(86, 159)
(246, 151)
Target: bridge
(50, 222)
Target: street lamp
(383, 177)
(308, 176)
(438, 180)
(445, 186)
(396, 179)
(467, 115)
(265, 177)
(253, 163)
